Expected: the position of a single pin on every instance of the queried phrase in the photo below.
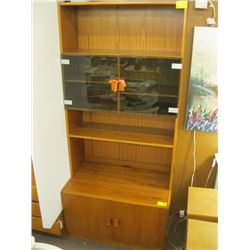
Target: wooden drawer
(97, 219)
(36, 209)
(37, 225)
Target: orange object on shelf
(121, 85)
(117, 85)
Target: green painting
(202, 106)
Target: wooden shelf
(150, 94)
(87, 82)
(124, 53)
(124, 134)
(127, 2)
(117, 183)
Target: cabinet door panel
(152, 85)
(87, 218)
(139, 225)
(86, 82)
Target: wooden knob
(108, 221)
(116, 222)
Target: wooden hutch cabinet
(121, 137)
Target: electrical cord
(210, 172)
(175, 231)
(211, 5)
(194, 158)
(169, 223)
(211, 20)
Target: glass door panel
(152, 85)
(86, 80)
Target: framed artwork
(202, 105)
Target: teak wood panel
(76, 148)
(122, 28)
(37, 225)
(136, 156)
(132, 28)
(184, 148)
(111, 221)
(148, 28)
(86, 217)
(137, 120)
(68, 28)
(36, 209)
(120, 2)
(97, 28)
(119, 153)
(122, 184)
(139, 225)
(34, 193)
(128, 137)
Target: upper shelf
(164, 54)
(127, 2)
(121, 28)
(124, 134)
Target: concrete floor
(72, 243)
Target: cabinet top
(119, 2)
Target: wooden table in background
(202, 235)
(202, 204)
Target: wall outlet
(211, 21)
(182, 213)
(201, 4)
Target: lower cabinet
(103, 220)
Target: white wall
(49, 149)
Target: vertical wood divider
(68, 141)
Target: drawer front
(87, 218)
(140, 225)
(37, 225)
(36, 209)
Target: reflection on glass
(86, 82)
(152, 85)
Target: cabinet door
(49, 140)
(152, 84)
(87, 218)
(86, 82)
(139, 225)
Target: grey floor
(72, 243)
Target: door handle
(116, 222)
(108, 222)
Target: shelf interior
(125, 30)
(124, 134)
(119, 183)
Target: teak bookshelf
(122, 160)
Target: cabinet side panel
(68, 28)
